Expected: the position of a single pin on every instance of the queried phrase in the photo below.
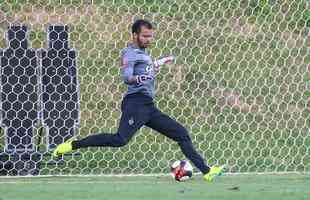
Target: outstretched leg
(134, 116)
(175, 131)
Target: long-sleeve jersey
(137, 61)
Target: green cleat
(63, 148)
(214, 171)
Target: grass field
(236, 187)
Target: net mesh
(240, 83)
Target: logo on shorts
(131, 121)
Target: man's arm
(137, 79)
(128, 63)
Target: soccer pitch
(232, 187)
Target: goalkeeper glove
(140, 79)
(162, 61)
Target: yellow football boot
(63, 148)
(214, 171)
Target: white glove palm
(162, 61)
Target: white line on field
(82, 182)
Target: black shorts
(139, 110)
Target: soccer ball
(181, 170)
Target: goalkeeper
(138, 109)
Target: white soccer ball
(181, 170)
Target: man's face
(144, 38)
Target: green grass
(254, 187)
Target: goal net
(240, 83)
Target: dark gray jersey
(136, 61)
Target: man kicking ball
(138, 109)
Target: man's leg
(133, 117)
(175, 131)
(129, 124)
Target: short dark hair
(136, 27)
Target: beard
(141, 44)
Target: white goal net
(240, 83)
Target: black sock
(100, 140)
(75, 145)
